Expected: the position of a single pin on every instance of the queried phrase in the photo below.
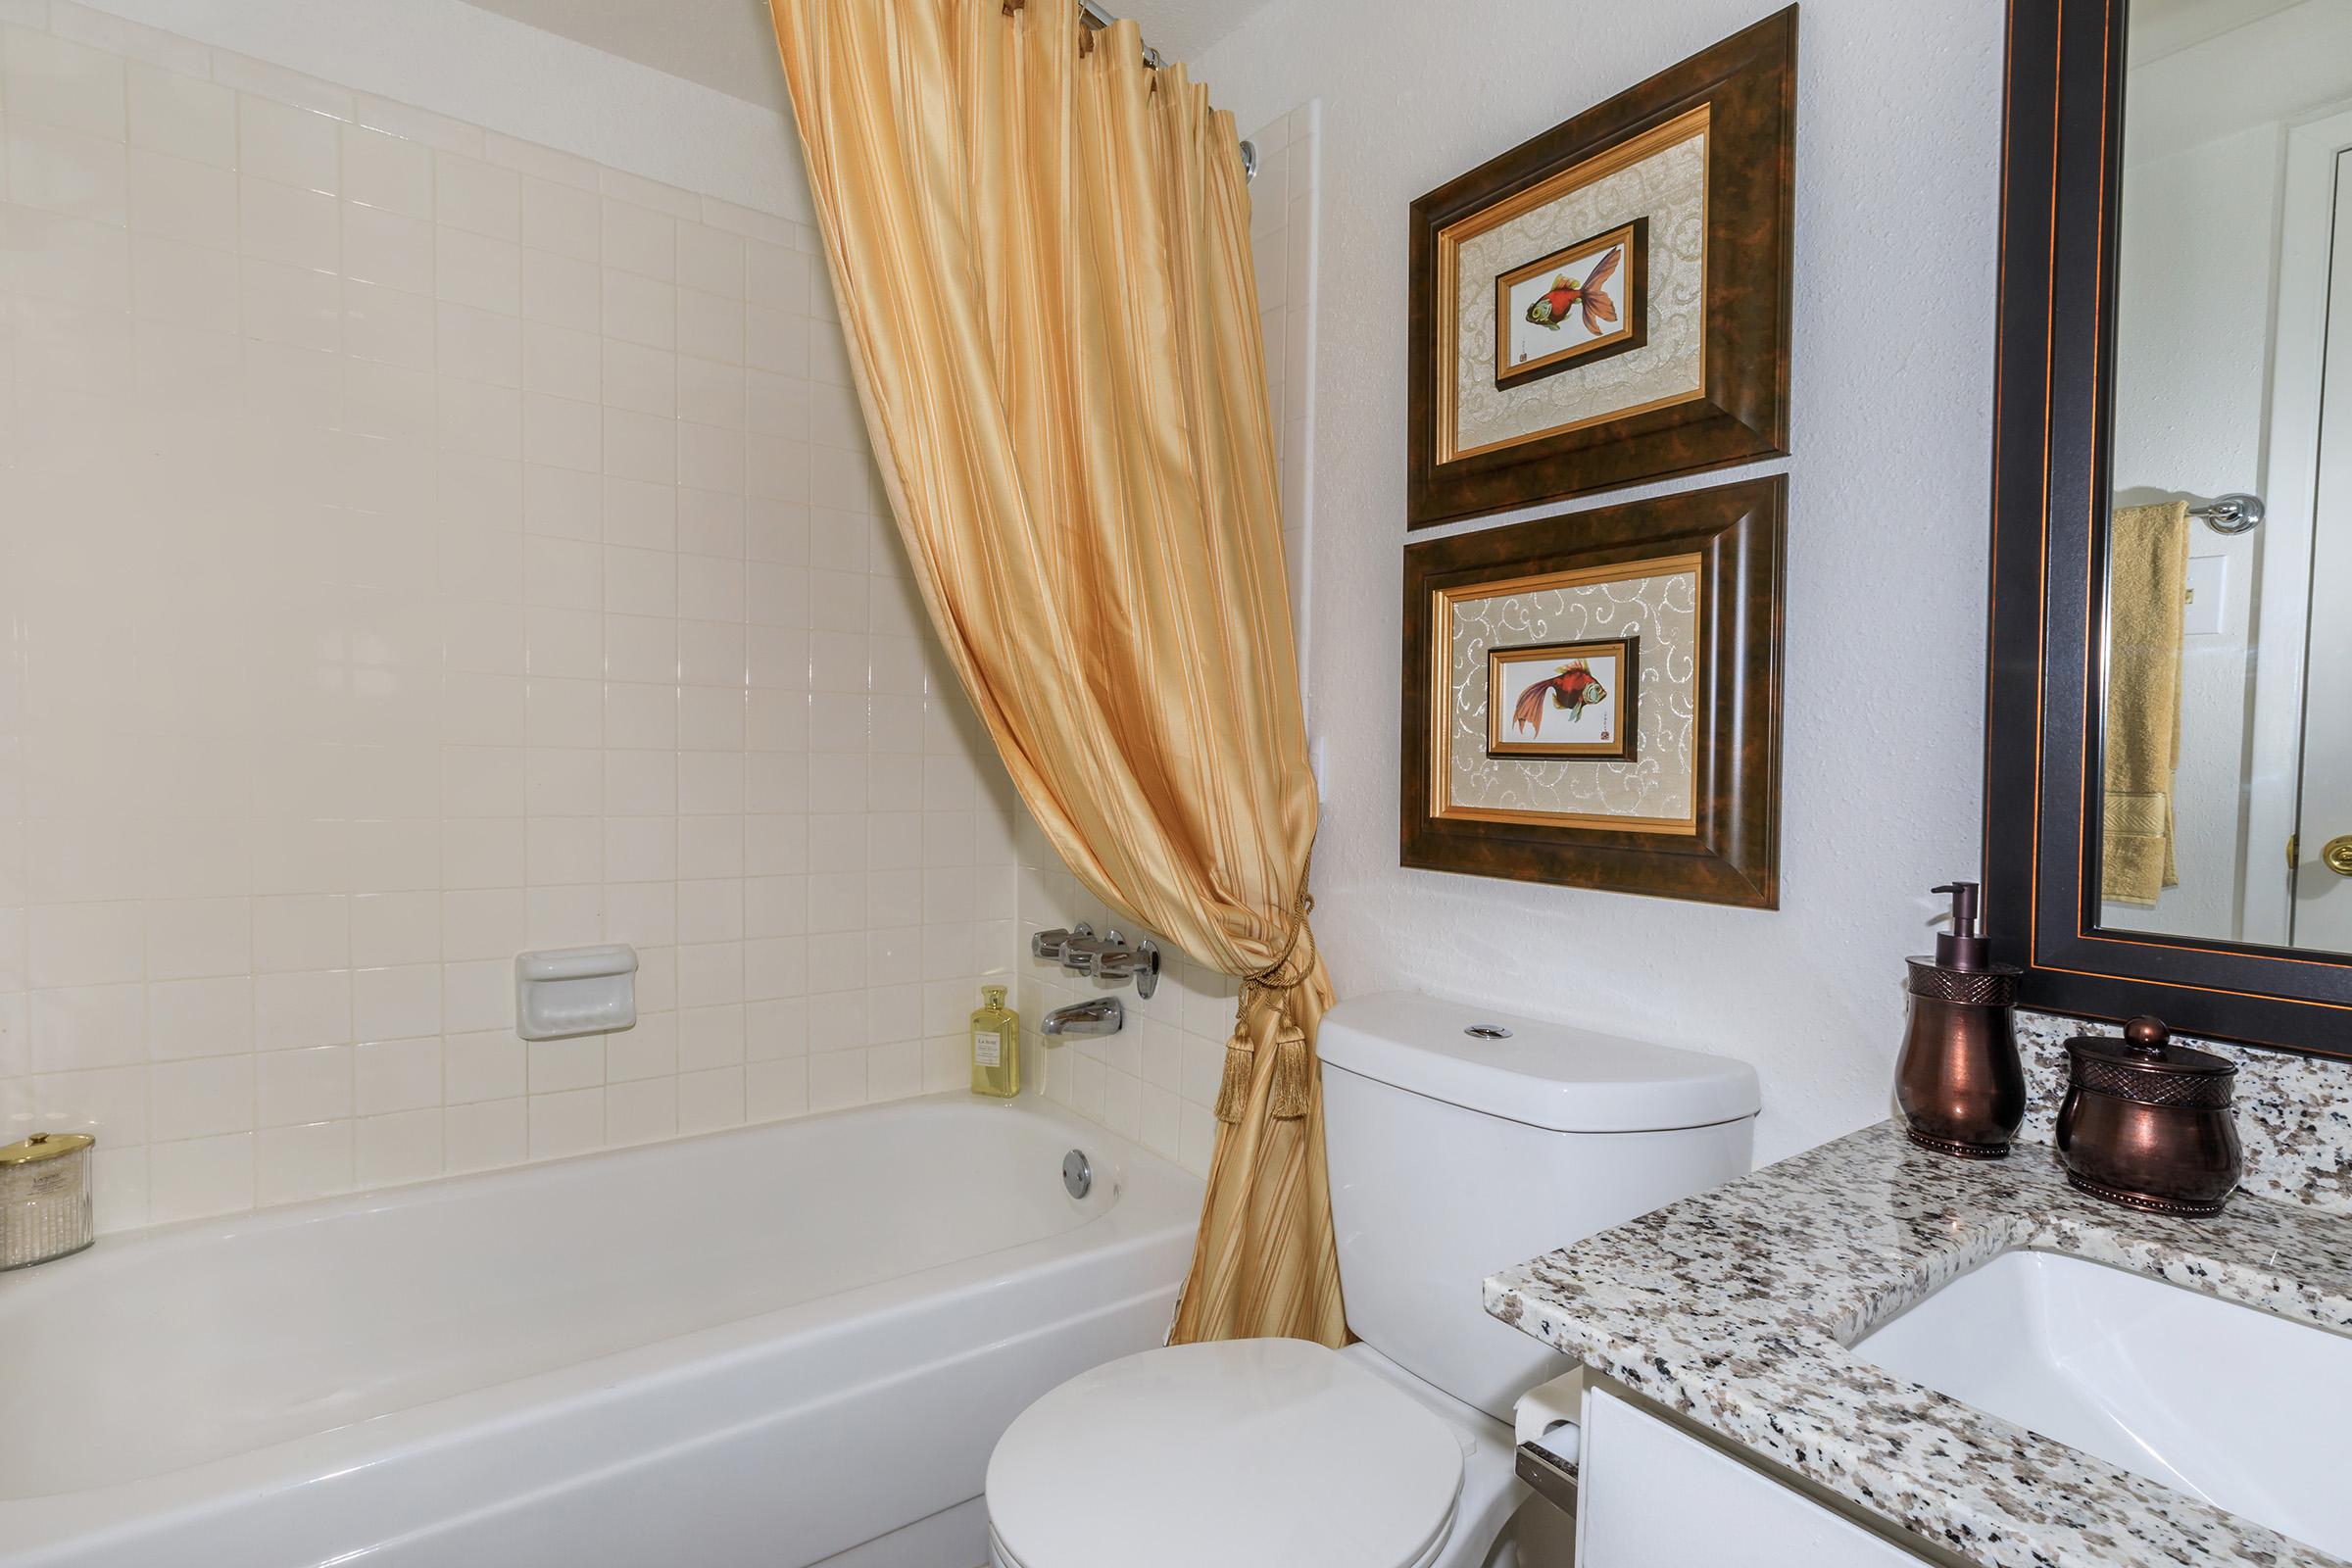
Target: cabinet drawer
(1655, 1497)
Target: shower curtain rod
(1098, 18)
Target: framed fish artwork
(1563, 699)
(1610, 302)
(1583, 302)
(1595, 699)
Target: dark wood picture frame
(1734, 537)
(1746, 86)
(2043, 764)
(1631, 334)
(1625, 687)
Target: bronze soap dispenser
(1959, 1082)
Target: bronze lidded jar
(1959, 1082)
(2147, 1122)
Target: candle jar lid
(2149, 1066)
(44, 1145)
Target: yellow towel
(2147, 585)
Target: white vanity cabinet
(1651, 1495)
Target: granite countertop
(1735, 1308)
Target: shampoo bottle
(996, 1046)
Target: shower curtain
(1041, 248)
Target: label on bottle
(987, 1049)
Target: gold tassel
(1232, 1091)
(1289, 1100)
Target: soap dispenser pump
(1958, 1081)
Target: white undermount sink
(2222, 1402)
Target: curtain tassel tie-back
(1290, 1093)
(1233, 1090)
(1288, 1101)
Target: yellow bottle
(996, 1046)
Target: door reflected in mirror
(2226, 737)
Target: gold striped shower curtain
(1041, 248)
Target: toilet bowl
(1459, 1142)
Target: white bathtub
(778, 1345)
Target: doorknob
(2336, 854)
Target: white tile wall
(416, 546)
(1156, 1080)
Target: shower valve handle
(1080, 953)
(1139, 963)
(1051, 944)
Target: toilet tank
(1454, 1154)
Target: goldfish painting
(1553, 309)
(1575, 688)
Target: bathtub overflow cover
(1487, 1031)
(1077, 1176)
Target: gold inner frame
(1618, 750)
(1504, 282)
(1440, 705)
(1693, 123)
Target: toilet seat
(1248, 1454)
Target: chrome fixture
(1097, 1015)
(1249, 161)
(1080, 953)
(1139, 963)
(1077, 1176)
(1106, 959)
(1046, 945)
(1549, 1476)
(2236, 513)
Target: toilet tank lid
(1550, 1076)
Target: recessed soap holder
(575, 991)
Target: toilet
(1460, 1142)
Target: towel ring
(2238, 513)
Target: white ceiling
(726, 44)
(1182, 28)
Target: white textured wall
(1898, 173)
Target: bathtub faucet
(1097, 1015)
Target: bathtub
(784, 1346)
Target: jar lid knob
(2146, 1033)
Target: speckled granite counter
(1735, 1308)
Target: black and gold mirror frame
(2061, 176)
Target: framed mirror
(2169, 734)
